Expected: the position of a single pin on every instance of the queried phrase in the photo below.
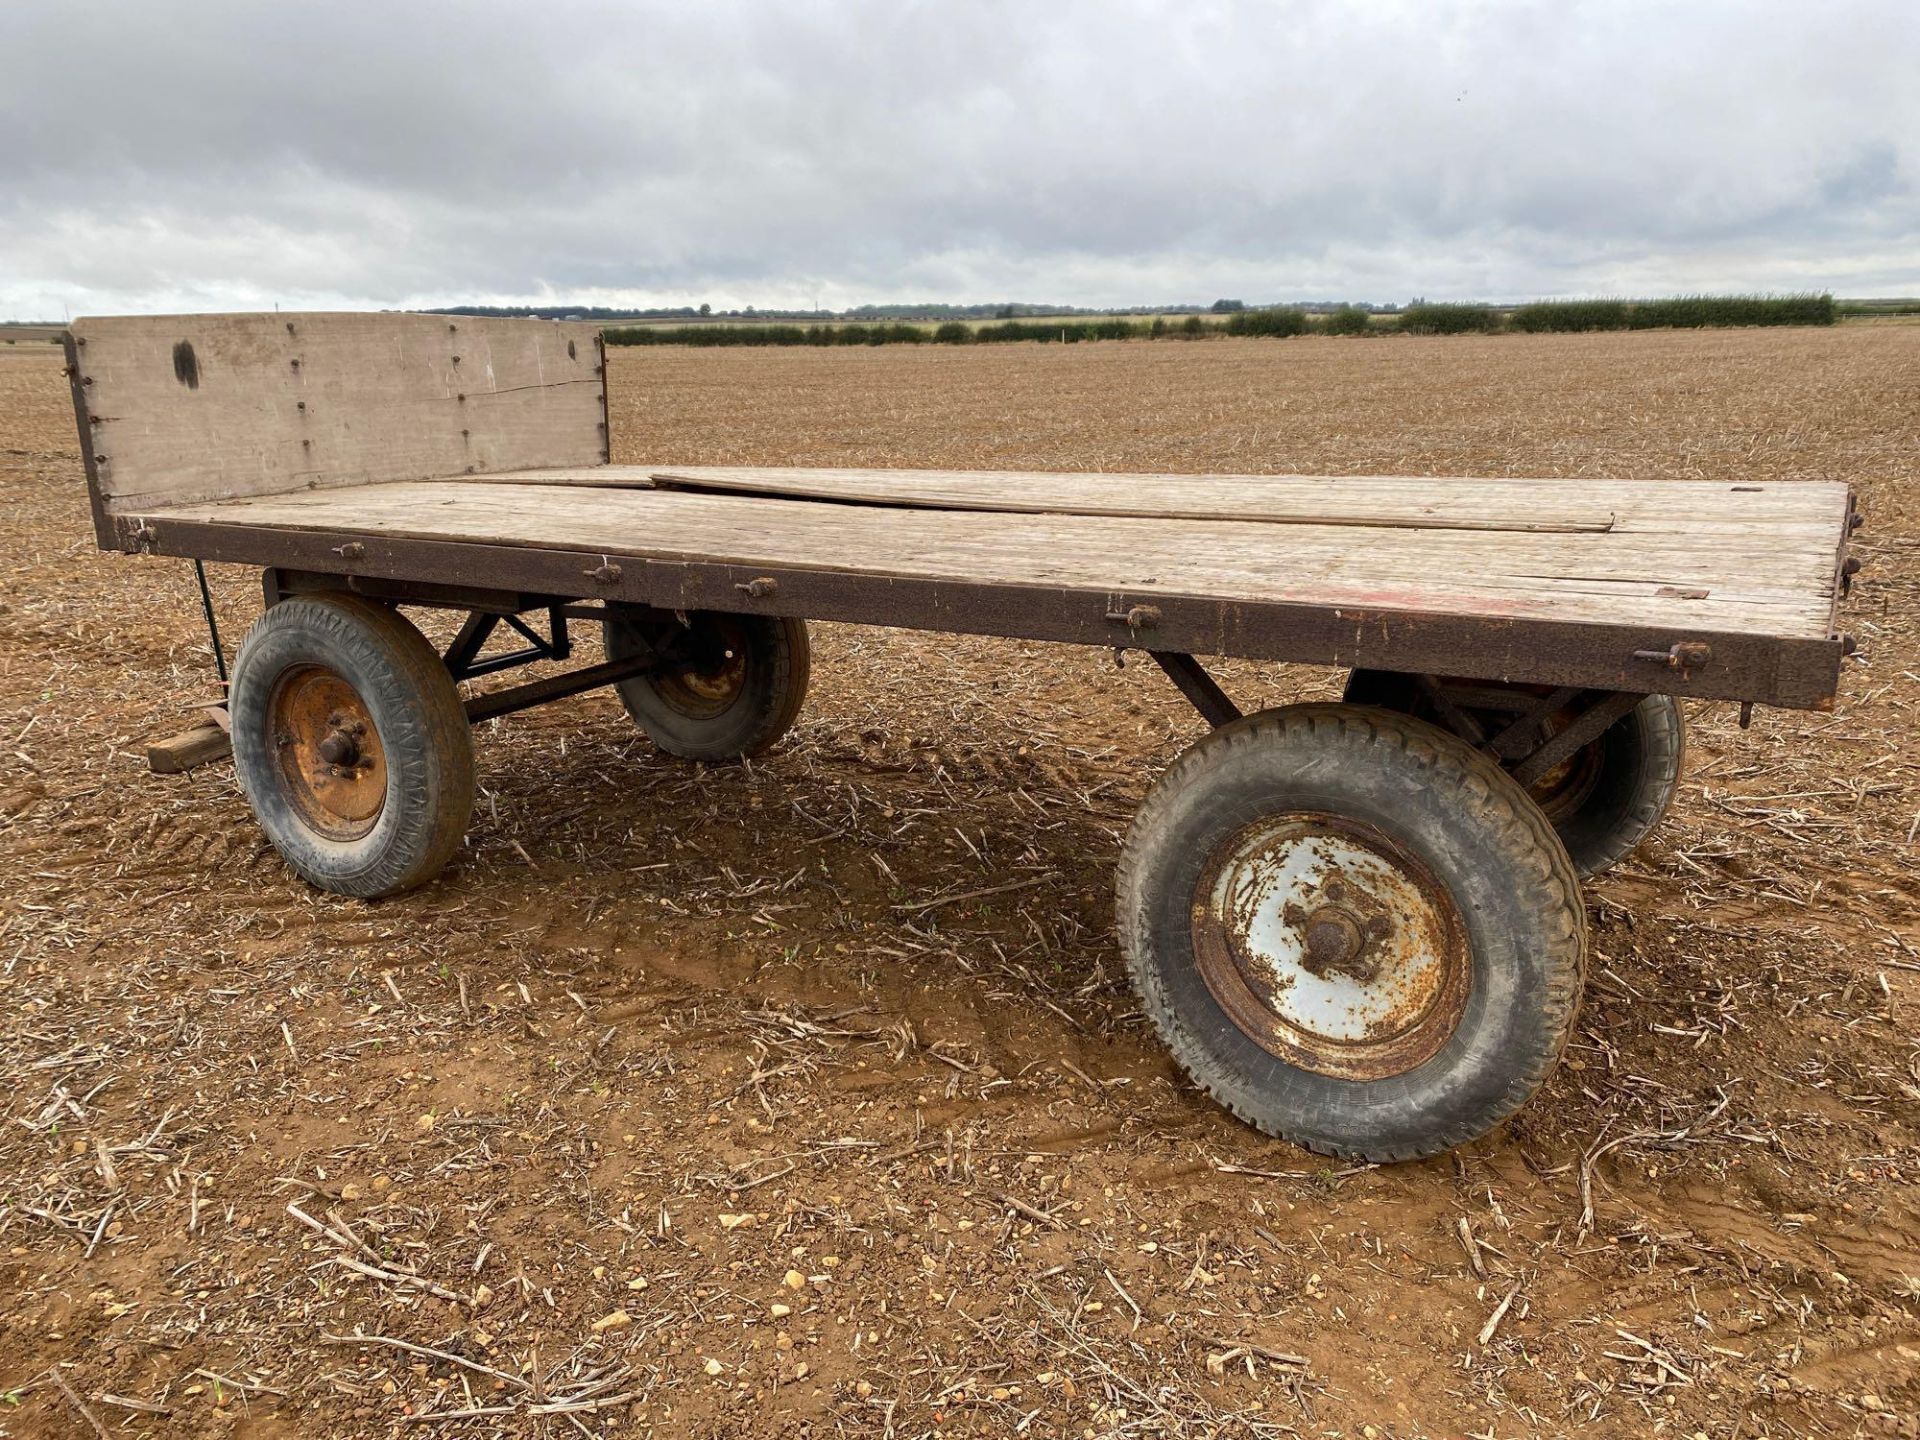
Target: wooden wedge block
(177, 754)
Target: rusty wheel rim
(1565, 788)
(1331, 946)
(332, 766)
(711, 678)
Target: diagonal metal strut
(1198, 686)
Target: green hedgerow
(1439, 319)
(1279, 320)
(1347, 320)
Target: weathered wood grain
(177, 754)
(1769, 574)
(1422, 502)
(205, 407)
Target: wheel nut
(337, 748)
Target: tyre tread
(1596, 845)
(437, 738)
(786, 641)
(1522, 828)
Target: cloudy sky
(213, 154)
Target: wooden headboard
(179, 408)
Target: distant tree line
(995, 310)
(1276, 321)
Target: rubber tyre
(771, 691)
(1641, 756)
(422, 729)
(1455, 810)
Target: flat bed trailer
(1357, 925)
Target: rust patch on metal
(1495, 708)
(1331, 946)
(333, 769)
(710, 671)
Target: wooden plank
(201, 407)
(1269, 499)
(1395, 501)
(177, 754)
(1762, 583)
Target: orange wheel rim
(332, 766)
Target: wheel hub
(332, 766)
(1331, 946)
(341, 744)
(709, 678)
(1335, 944)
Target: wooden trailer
(1357, 925)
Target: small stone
(795, 1280)
(612, 1320)
(779, 1311)
(714, 1367)
(482, 1296)
(863, 1389)
(639, 1282)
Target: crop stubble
(853, 1018)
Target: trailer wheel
(1353, 930)
(727, 686)
(351, 744)
(1605, 799)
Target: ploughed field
(809, 1097)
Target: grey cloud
(227, 154)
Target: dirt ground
(809, 1098)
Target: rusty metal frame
(1509, 744)
(1513, 744)
(1589, 725)
(486, 609)
(539, 692)
(463, 658)
(279, 582)
(1203, 692)
(1773, 670)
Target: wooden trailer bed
(1357, 924)
(1567, 585)
(464, 451)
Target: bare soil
(809, 1097)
